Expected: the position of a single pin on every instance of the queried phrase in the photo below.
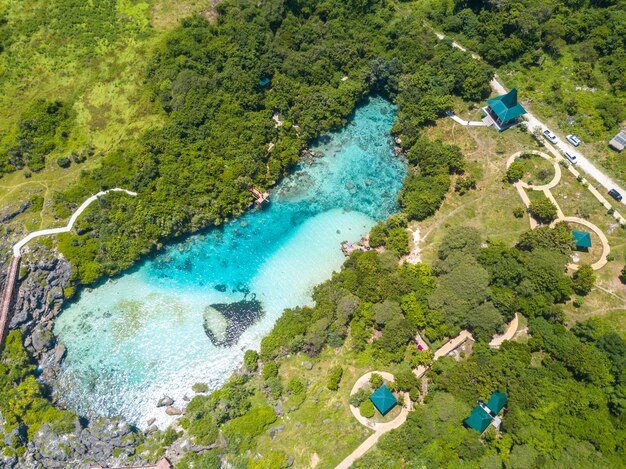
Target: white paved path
(17, 247)
(379, 428)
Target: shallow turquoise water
(142, 336)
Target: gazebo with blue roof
(383, 399)
(582, 240)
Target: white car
(573, 139)
(550, 136)
(571, 157)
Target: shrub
(200, 387)
(270, 370)
(515, 172)
(275, 387)
(251, 360)
(584, 279)
(359, 397)
(622, 275)
(376, 380)
(64, 162)
(367, 409)
(518, 212)
(296, 386)
(251, 424)
(578, 302)
(543, 210)
(334, 378)
(465, 184)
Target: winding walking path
(17, 247)
(13, 273)
(521, 187)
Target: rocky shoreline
(43, 279)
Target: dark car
(616, 195)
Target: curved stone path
(379, 428)
(17, 247)
(521, 187)
(605, 242)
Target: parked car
(550, 136)
(616, 195)
(571, 157)
(573, 139)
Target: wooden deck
(260, 198)
(8, 295)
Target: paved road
(17, 247)
(563, 146)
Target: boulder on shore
(171, 410)
(165, 401)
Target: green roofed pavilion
(496, 402)
(479, 420)
(383, 399)
(582, 239)
(505, 109)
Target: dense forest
(195, 170)
(566, 388)
(570, 54)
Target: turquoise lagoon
(188, 314)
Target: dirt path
(508, 334)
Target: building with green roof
(496, 402)
(582, 240)
(383, 399)
(479, 420)
(485, 414)
(504, 110)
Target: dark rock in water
(235, 318)
(221, 287)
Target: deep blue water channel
(188, 315)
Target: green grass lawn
(537, 170)
(322, 431)
(95, 60)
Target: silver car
(550, 136)
(571, 157)
(573, 139)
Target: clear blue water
(144, 335)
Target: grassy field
(537, 170)
(489, 208)
(95, 60)
(321, 432)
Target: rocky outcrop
(44, 275)
(108, 442)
